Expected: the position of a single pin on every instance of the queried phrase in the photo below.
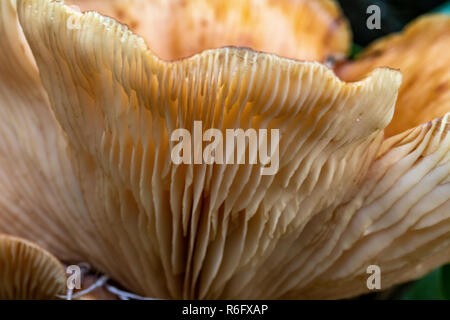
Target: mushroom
(175, 29)
(99, 179)
(28, 271)
(420, 53)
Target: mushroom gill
(174, 29)
(421, 53)
(28, 272)
(343, 197)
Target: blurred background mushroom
(91, 139)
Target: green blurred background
(395, 14)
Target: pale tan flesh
(342, 199)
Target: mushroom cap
(28, 271)
(174, 29)
(420, 52)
